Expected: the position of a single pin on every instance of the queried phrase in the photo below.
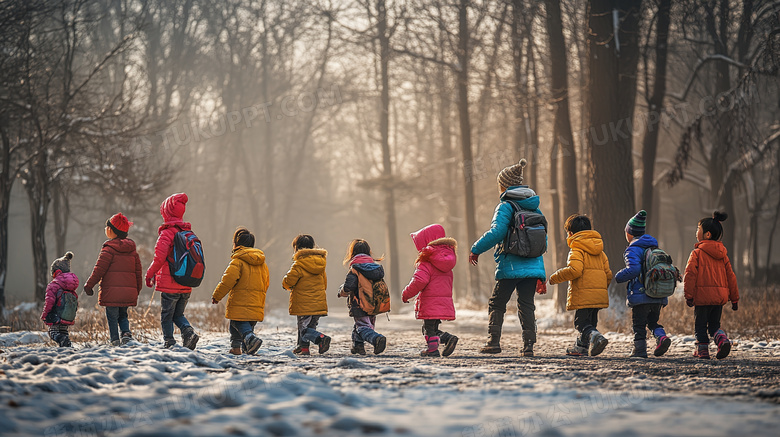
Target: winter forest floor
(143, 390)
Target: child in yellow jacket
(588, 273)
(246, 282)
(307, 283)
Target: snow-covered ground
(143, 390)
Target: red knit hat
(120, 222)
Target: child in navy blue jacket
(645, 310)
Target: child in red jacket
(710, 283)
(118, 271)
(62, 302)
(432, 284)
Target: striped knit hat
(636, 225)
(512, 176)
(62, 264)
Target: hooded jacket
(587, 271)
(172, 210)
(709, 277)
(307, 283)
(118, 271)
(61, 283)
(432, 279)
(511, 266)
(634, 257)
(246, 281)
(367, 267)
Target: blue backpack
(186, 260)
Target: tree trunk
(6, 184)
(61, 214)
(612, 85)
(36, 184)
(656, 103)
(387, 169)
(268, 145)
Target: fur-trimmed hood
(312, 260)
(441, 253)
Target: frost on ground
(143, 390)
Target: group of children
(709, 283)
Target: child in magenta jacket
(432, 284)
(61, 304)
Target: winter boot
(302, 350)
(450, 341)
(127, 337)
(380, 345)
(640, 349)
(662, 342)
(702, 350)
(236, 350)
(358, 349)
(323, 341)
(578, 350)
(169, 344)
(493, 345)
(116, 343)
(724, 344)
(433, 347)
(597, 343)
(252, 343)
(189, 338)
(528, 343)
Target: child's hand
(150, 281)
(541, 286)
(473, 258)
(214, 301)
(89, 291)
(734, 306)
(689, 302)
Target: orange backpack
(373, 296)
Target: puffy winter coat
(172, 211)
(432, 280)
(709, 278)
(61, 283)
(366, 266)
(118, 270)
(246, 279)
(634, 257)
(307, 283)
(587, 271)
(511, 266)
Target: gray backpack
(659, 275)
(527, 236)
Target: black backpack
(527, 236)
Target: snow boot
(189, 338)
(169, 344)
(433, 347)
(236, 350)
(662, 344)
(597, 343)
(450, 341)
(724, 344)
(493, 345)
(702, 350)
(302, 350)
(380, 345)
(528, 344)
(127, 337)
(323, 341)
(640, 349)
(116, 343)
(578, 350)
(252, 343)
(358, 349)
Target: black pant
(645, 316)
(59, 333)
(238, 331)
(526, 288)
(706, 320)
(585, 321)
(430, 328)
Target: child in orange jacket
(710, 283)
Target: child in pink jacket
(59, 310)
(432, 284)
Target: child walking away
(588, 273)
(62, 302)
(308, 283)
(432, 284)
(519, 230)
(173, 296)
(710, 283)
(118, 271)
(363, 272)
(246, 280)
(645, 310)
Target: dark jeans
(117, 321)
(363, 331)
(59, 333)
(706, 321)
(239, 331)
(645, 316)
(173, 305)
(585, 321)
(430, 328)
(307, 329)
(526, 288)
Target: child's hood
(713, 248)
(523, 196)
(312, 260)
(588, 241)
(645, 241)
(67, 281)
(441, 254)
(121, 245)
(250, 255)
(172, 209)
(367, 267)
(424, 236)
